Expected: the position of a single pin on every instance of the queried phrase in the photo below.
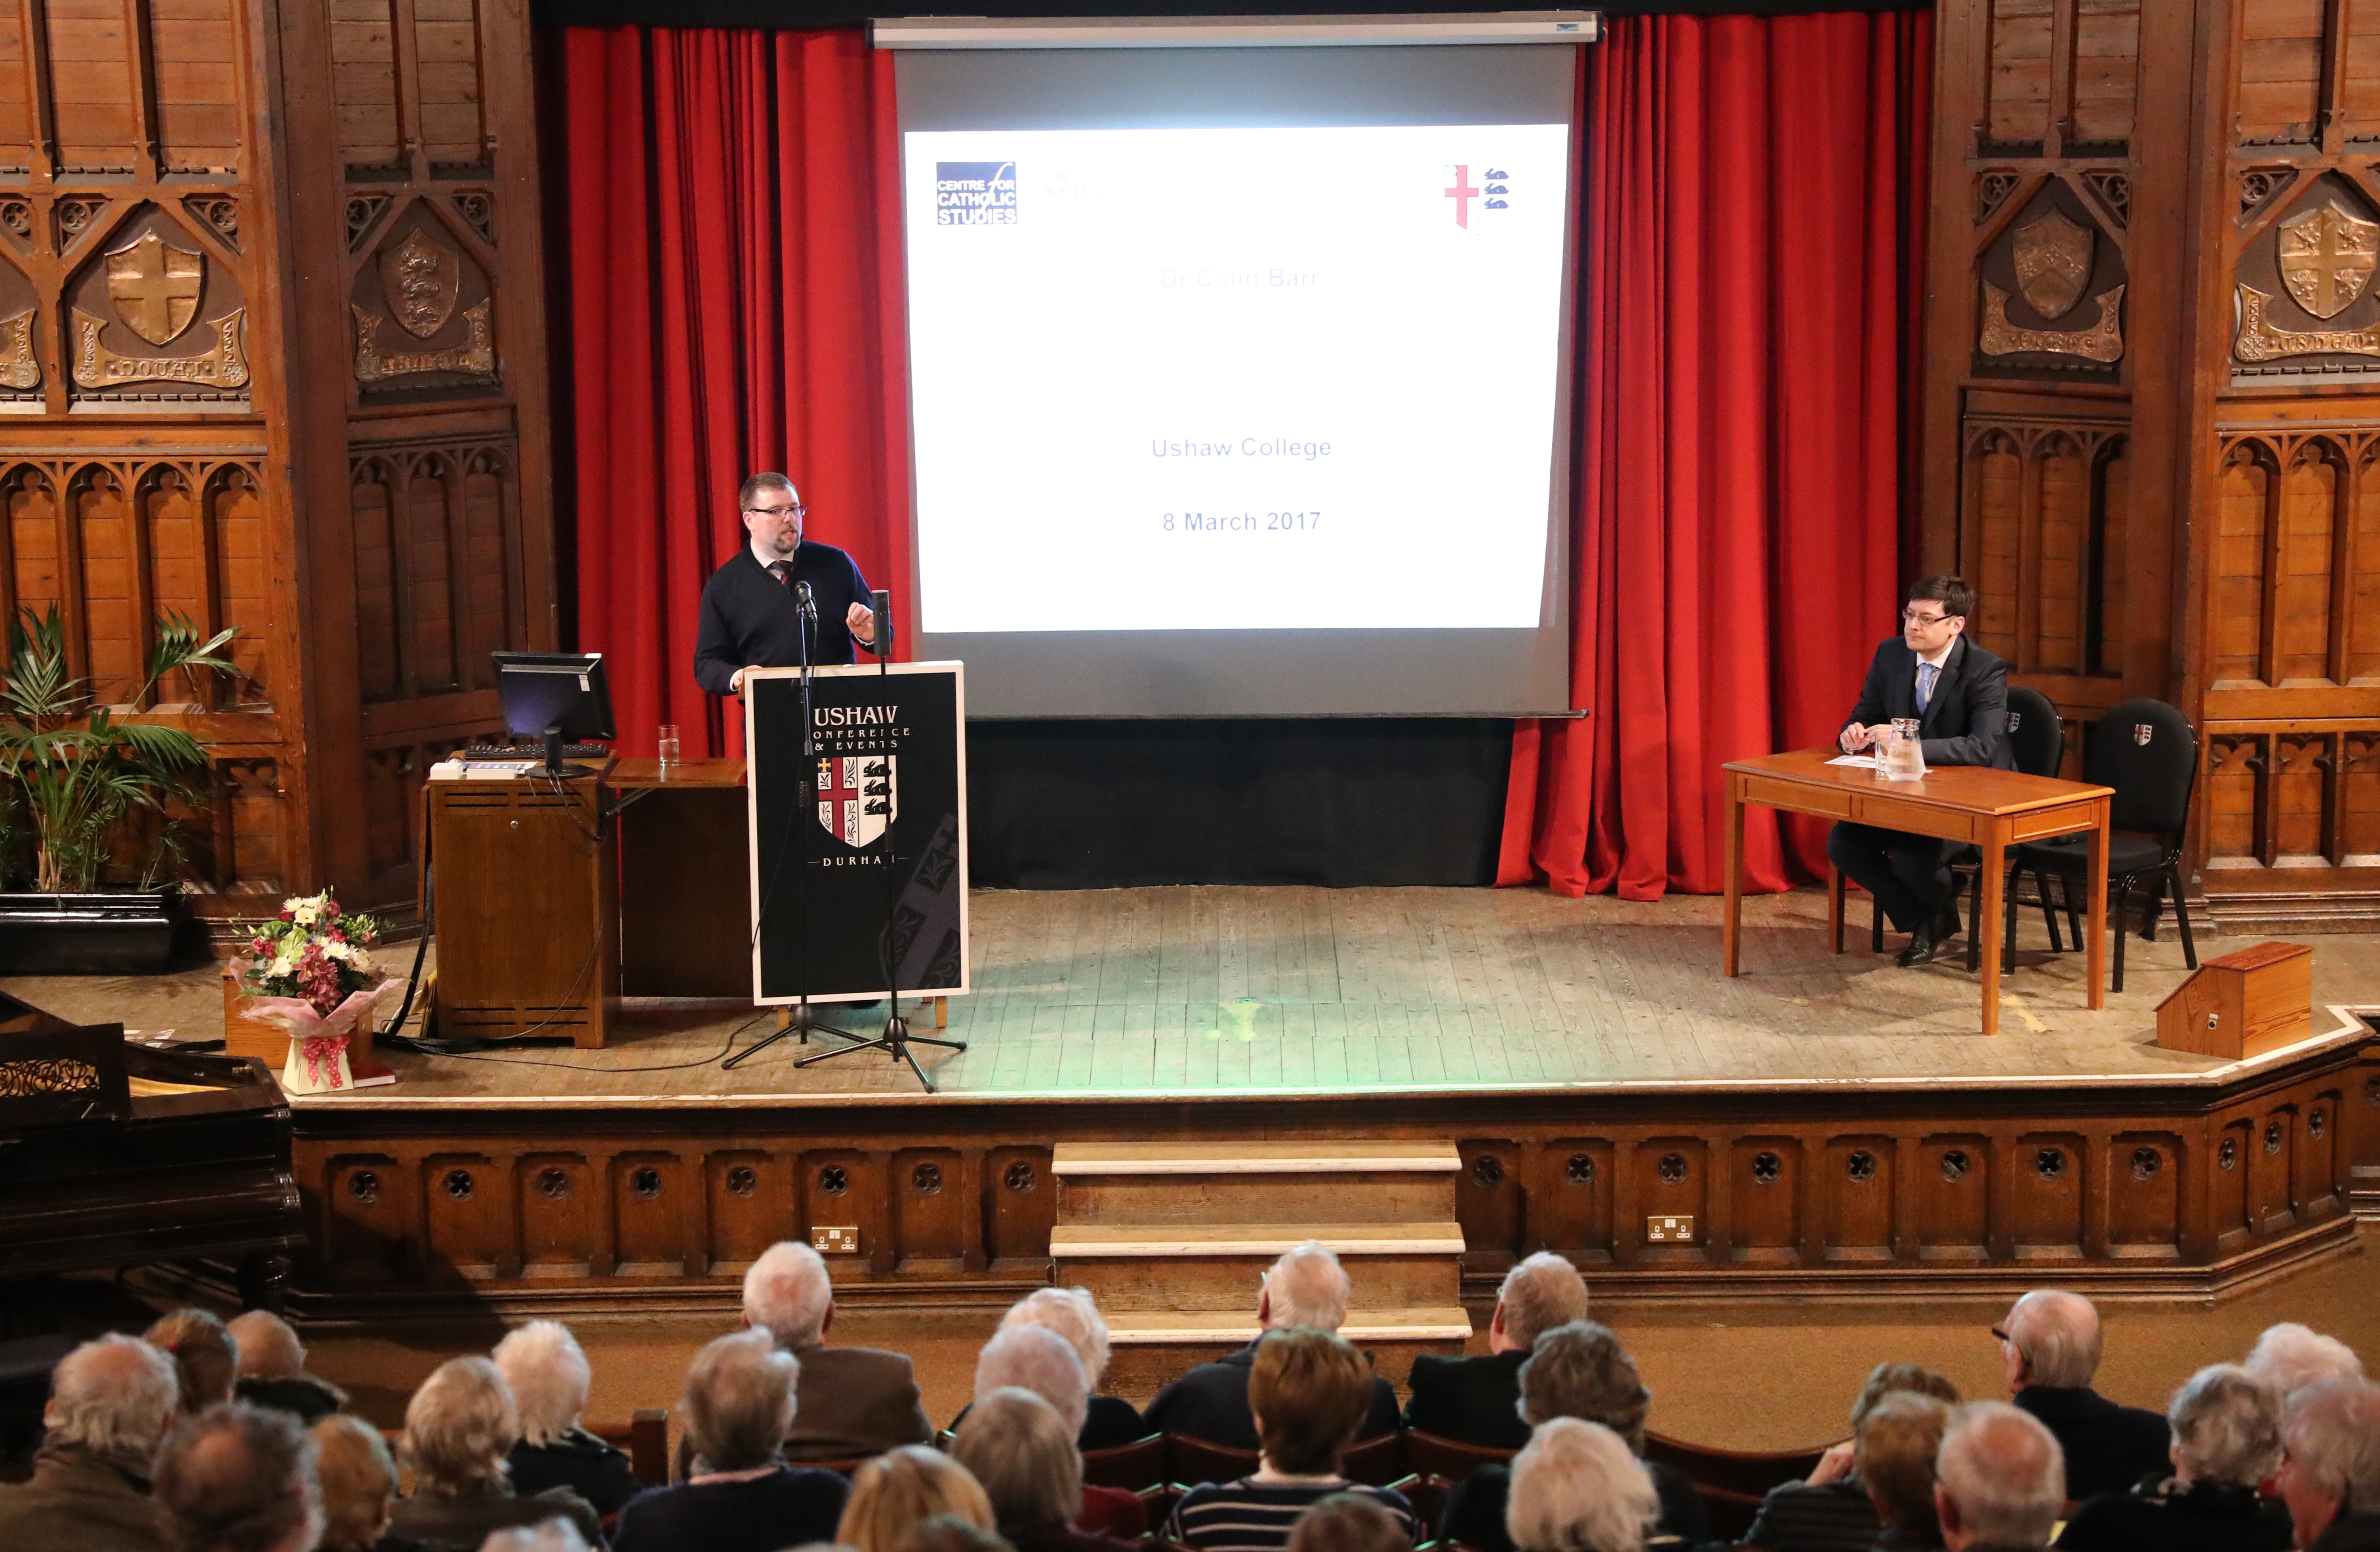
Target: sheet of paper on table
(1865, 762)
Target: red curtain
(731, 222)
(1751, 249)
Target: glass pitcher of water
(1903, 757)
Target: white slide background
(1264, 291)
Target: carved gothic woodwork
(422, 310)
(157, 319)
(2302, 279)
(2050, 246)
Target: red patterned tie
(782, 572)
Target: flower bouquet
(310, 972)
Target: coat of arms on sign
(423, 279)
(2327, 255)
(155, 287)
(855, 797)
(2053, 262)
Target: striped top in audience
(1255, 1515)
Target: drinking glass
(669, 746)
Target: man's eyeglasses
(796, 510)
(1911, 617)
(2002, 1335)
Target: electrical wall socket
(835, 1241)
(1669, 1229)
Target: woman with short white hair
(1577, 1487)
(458, 1428)
(549, 1378)
(2289, 1356)
(1073, 1314)
(1039, 1359)
(1015, 1443)
(2226, 1439)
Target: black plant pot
(119, 933)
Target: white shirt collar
(766, 559)
(1941, 657)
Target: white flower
(285, 964)
(335, 952)
(359, 959)
(307, 913)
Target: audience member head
(203, 1353)
(1580, 1370)
(267, 1347)
(2330, 1463)
(547, 1535)
(2001, 1478)
(1073, 1314)
(2227, 1428)
(938, 1533)
(787, 1295)
(458, 1428)
(1306, 1286)
(1542, 1292)
(546, 1369)
(1894, 1444)
(901, 1489)
(358, 1480)
(1310, 1390)
(116, 1396)
(1348, 1522)
(1885, 1378)
(1035, 1358)
(2050, 1339)
(1577, 1487)
(238, 1478)
(738, 1401)
(2289, 1357)
(1022, 1454)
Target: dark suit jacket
(1470, 1401)
(2109, 1448)
(853, 1401)
(1210, 1402)
(1966, 720)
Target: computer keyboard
(534, 751)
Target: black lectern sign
(860, 839)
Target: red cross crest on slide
(855, 797)
(1462, 194)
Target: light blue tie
(1925, 672)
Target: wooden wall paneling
(468, 1229)
(1020, 1206)
(560, 1204)
(1568, 1195)
(749, 1205)
(655, 1213)
(1490, 1202)
(1766, 1189)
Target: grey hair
(269, 1349)
(1022, 1452)
(458, 1428)
(2227, 1426)
(556, 1534)
(547, 1372)
(786, 1294)
(2289, 1357)
(113, 1393)
(2005, 1473)
(2333, 1429)
(1580, 1370)
(2058, 1334)
(1577, 1487)
(1036, 1358)
(1308, 1287)
(739, 1400)
(1073, 1314)
(1540, 1293)
(238, 1478)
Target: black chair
(2148, 752)
(2038, 741)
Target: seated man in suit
(849, 1401)
(1306, 1286)
(1477, 1401)
(1957, 692)
(2050, 1349)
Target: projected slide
(1233, 379)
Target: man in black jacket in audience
(1477, 1401)
(2050, 1347)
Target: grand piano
(113, 1154)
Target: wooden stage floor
(1191, 992)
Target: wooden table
(1993, 810)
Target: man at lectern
(1957, 692)
(753, 608)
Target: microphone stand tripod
(896, 1039)
(801, 1022)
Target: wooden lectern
(2241, 1005)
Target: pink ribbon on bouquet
(321, 1054)
(321, 1039)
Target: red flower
(285, 916)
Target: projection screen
(1239, 376)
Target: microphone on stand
(805, 602)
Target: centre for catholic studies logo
(974, 193)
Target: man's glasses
(2002, 1335)
(794, 511)
(1911, 617)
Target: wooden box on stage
(2241, 1005)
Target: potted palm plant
(93, 788)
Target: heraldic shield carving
(2053, 262)
(423, 279)
(2326, 256)
(155, 287)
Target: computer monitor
(554, 696)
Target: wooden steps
(1173, 1239)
